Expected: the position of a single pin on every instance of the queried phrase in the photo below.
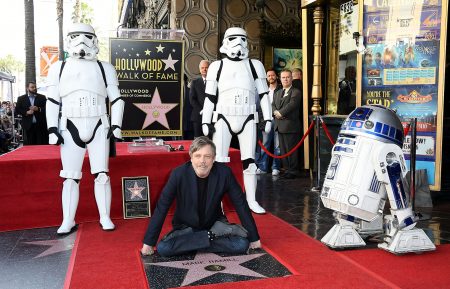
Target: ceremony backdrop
(402, 69)
(150, 74)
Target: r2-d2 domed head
(234, 43)
(375, 122)
(81, 41)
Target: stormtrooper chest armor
(82, 89)
(236, 89)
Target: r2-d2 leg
(400, 234)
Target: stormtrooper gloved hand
(268, 126)
(115, 131)
(208, 129)
(54, 137)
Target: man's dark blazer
(23, 105)
(289, 107)
(197, 98)
(182, 187)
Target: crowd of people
(24, 121)
(8, 127)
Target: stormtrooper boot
(102, 190)
(70, 195)
(250, 189)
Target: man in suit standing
(286, 109)
(199, 224)
(297, 82)
(32, 108)
(297, 76)
(269, 139)
(197, 98)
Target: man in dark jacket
(197, 98)
(198, 187)
(32, 108)
(286, 110)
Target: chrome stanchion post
(317, 188)
(412, 162)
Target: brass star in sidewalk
(207, 264)
(56, 246)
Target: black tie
(282, 93)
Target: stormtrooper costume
(232, 85)
(77, 120)
(367, 167)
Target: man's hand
(277, 114)
(30, 112)
(255, 245)
(34, 108)
(147, 250)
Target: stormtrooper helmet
(234, 43)
(81, 41)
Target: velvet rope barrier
(292, 150)
(406, 129)
(327, 132)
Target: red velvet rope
(292, 150)
(406, 129)
(327, 132)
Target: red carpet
(427, 270)
(111, 260)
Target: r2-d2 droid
(367, 166)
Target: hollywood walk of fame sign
(209, 268)
(150, 74)
(135, 197)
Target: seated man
(199, 224)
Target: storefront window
(401, 68)
(342, 58)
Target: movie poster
(150, 74)
(400, 68)
(284, 58)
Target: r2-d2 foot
(400, 241)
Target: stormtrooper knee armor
(102, 191)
